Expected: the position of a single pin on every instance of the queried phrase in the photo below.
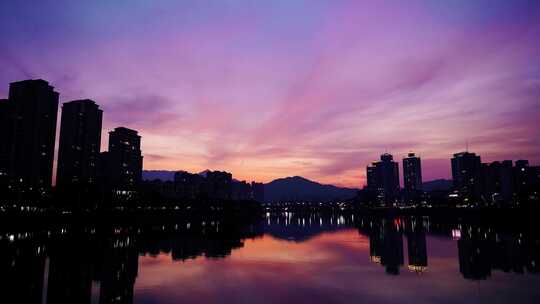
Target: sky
(268, 89)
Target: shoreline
(499, 216)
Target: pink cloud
(318, 91)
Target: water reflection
(102, 264)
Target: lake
(283, 258)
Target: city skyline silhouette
(267, 91)
(77, 153)
(285, 151)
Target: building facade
(497, 182)
(412, 173)
(4, 143)
(123, 162)
(33, 107)
(466, 174)
(188, 185)
(79, 145)
(219, 185)
(383, 178)
(258, 191)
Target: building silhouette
(32, 110)
(383, 178)
(122, 164)
(218, 185)
(4, 147)
(188, 185)
(412, 178)
(466, 174)
(498, 182)
(241, 190)
(79, 144)
(526, 181)
(258, 191)
(412, 173)
(521, 176)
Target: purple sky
(267, 89)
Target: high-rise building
(219, 185)
(535, 179)
(521, 175)
(497, 181)
(80, 140)
(32, 130)
(412, 173)
(4, 141)
(124, 159)
(241, 190)
(466, 174)
(372, 176)
(506, 180)
(383, 177)
(526, 181)
(188, 185)
(258, 191)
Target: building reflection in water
(62, 265)
(482, 250)
(386, 245)
(71, 270)
(118, 271)
(474, 259)
(417, 247)
(22, 269)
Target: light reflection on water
(284, 258)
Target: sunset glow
(267, 89)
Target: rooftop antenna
(467, 145)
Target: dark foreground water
(285, 258)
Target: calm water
(283, 259)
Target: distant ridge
(204, 173)
(297, 188)
(294, 188)
(437, 185)
(164, 175)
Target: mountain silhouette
(437, 185)
(164, 175)
(204, 173)
(297, 188)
